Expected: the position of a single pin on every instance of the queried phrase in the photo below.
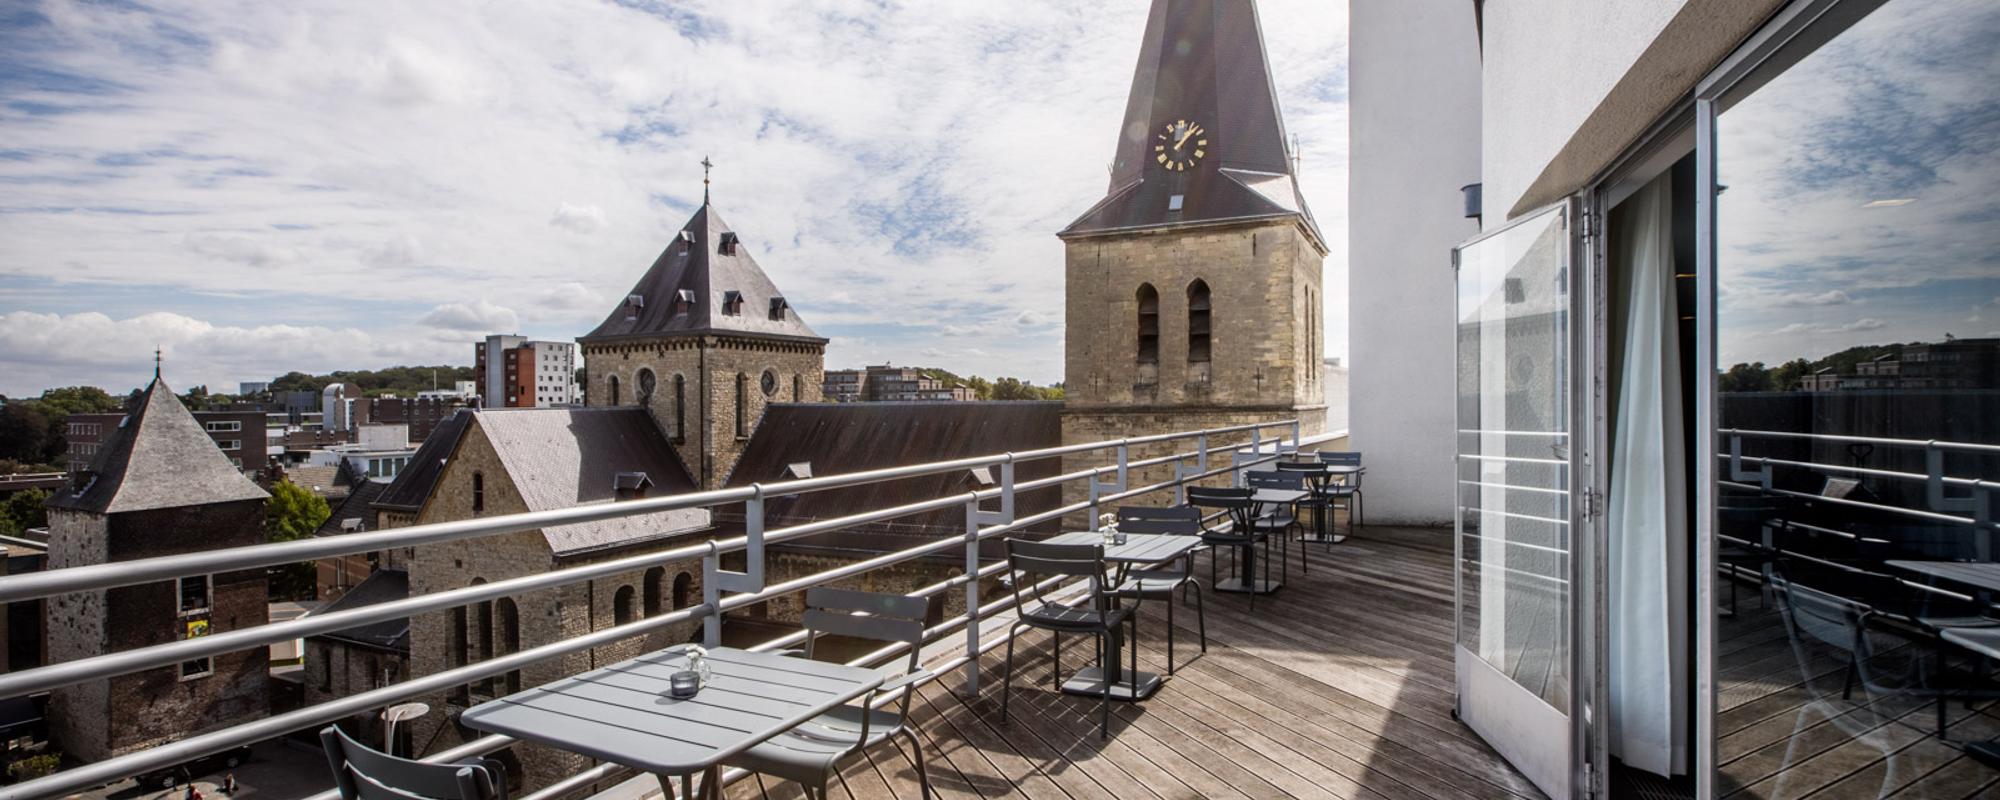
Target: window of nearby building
(732, 303)
(769, 383)
(621, 605)
(614, 390)
(478, 492)
(680, 408)
(230, 426)
(192, 594)
(742, 406)
(646, 384)
(230, 444)
(1149, 324)
(1198, 322)
(507, 618)
(655, 582)
(683, 588)
(798, 389)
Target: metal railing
(1946, 504)
(989, 513)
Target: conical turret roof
(157, 457)
(704, 282)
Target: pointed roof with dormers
(705, 282)
(157, 457)
(1202, 72)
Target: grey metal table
(1320, 478)
(1983, 576)
(1984, 641)
(1247, 557)
(623, 714)
(1139, 549)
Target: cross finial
(705, 166)
(156, 363)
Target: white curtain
(1648, 511)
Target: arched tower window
(646, 384)
(621, 605)
(507, 618)
(1198, 322)
(680, 408)
(683, 586)
(478, 492)
(1149, 324)
(614, 391)
(656, 590)
(742, 406)
(798, 388)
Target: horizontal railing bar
(1512, 433)
(146, 570)
(1511, 487)
(1880, 473)
(1835, 437)
(1514, 459)
(1515, 515)
(1908, 512)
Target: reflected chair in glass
(363, 773)
(1159, 582)
(811, 752)
(1032, 563)
(1280, 520)
(1232, 527)
(1829, 639)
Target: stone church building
(1193, 288)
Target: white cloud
(579, 219)
(43, 350)
(1834, 297)
(864, 150)
(1862, 324)
(478, 316)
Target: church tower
(1194, 287)
(704, 341)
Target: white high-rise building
(518, 372)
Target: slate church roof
(705, 282)
(1202, 61)
(157, 456)
(564, 457)
(414, 482)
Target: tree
(24, 510)
(79, 400)
(295, 382)
(24, 432)
(1752, 377)
(1787, 376)
(292, 513)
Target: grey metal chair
(811, 752)
(1033, 562)
(1233, 529)
(1159, 582)
(1347, 489)
(1281, 521)
(362, 773)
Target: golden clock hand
(1185, 133)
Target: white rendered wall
(1413, 85)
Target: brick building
(887, 384)
(518, 372)
(240, 435)
(704, 341)
(1194, 286)
(157, 485)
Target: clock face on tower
(1181, 144)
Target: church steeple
(1202, 140)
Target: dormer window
(683, 301)
(732, 303)
(799, 470)
(630, 485)
(687, 240)
(634, 302)
(778, 306)
(728, 245)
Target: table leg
(1246, 577)
(1127, 685)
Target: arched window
(683, 585)
(614, 391)
(742, 406)
(656, 590)
(507, 618)
(621, 605)
(478, 492)
(798, 388)
(680, 408)
(1149, 324)
(646, 382)
(1198, 322)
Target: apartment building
(518, 372)
(240, 435)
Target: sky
(260, 187)
(1859, 205)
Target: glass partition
(1857, 389)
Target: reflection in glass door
(1514, 478)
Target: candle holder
(684, 684)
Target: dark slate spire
(157, 457)
(704, 283)
(1202, 77)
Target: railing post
(751, 579)
(972, 517)
(1006, 489)
(1982, 518)
(711, 595)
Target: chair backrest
(876, 616)
(1276, 479)
(1817, 621)
(1033, 561)
(1235, 503)
(1295, 468)
(1345, 458)
(1175, 520)
(362, 773)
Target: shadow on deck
(1338, 686)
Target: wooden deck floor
(1338, 686)
(1787, 732)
